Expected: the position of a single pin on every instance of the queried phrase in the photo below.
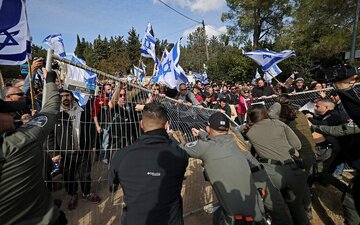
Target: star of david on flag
(266, 59)
(147, 48)
(56, 42)
(159, 78)
(172, 73)
(15, 44)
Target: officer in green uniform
(228, 172)
(24, 198)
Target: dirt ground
(196, 194)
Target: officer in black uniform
(24, 198)
(151, 172)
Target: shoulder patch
(191, 144)
(38, 121)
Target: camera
(335, 73)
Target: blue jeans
(105, 143)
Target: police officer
(150, 172)
(23, 194)
(228, 172)
(276, 145)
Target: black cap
(218, 121)
(10, 106)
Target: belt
(275, 162)
(256, 168)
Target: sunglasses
(18, 94)
(183, 89)
(122, 95)
(156, 89)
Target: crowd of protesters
(111, 121)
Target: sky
(89, 18)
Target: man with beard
(73, 137)
(100, 114)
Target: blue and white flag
(143, 66)
(272, 72)
(82, 76)
(257, 74)
(138, 74)
(158, 78)
(15, 42)
(266, 59)
(56, 42)
(172, 73)
(147, 48)
(201, 77)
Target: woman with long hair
(275, 145)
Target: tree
(80, 47)
(261, 18)
(133, 46)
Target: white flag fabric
(272, 72)
(266, 59)
(159, 78)
(138, 74)
(172, 73)
(15, 44)
(143, 66)
(56, 42)
(257, 74)
(147, 48)
(85, 76)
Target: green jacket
(229, 173)
(24, 198)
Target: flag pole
(2, 84)
(31, 86)
(50, 52)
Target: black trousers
(77, 165)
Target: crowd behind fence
(123, 127)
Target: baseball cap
(218, 121)
(11, 106)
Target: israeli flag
(56, 42)
(272, 72)
(81, 75)
(201, 77)
(15, 41)
(158, 78)
(143, 66)
(172, 73)
(138, 73)
(257, 74)
(147, 48)
(266, 59)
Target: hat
(299, 79)
(11, 106)
(219, 121)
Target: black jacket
(262, 91)
(62, 140)
(150, 172)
